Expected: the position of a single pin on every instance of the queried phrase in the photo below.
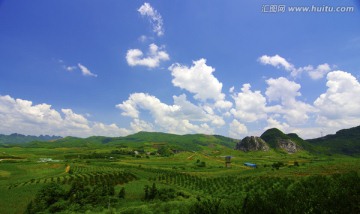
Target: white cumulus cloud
(282, 89)
(339, 105)
(135, 57)
(199, 80)
(249, 105)
(276, 61)
(138, 125)
(237, 129)
(273, 123)
(154, 17)
(314, 73)
(22, 116)
(181, 117)
(319, 72)
(285, 92)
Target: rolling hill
(345, 141)
(280, 141)
(189, 142)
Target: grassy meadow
(193, 175)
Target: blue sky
(91, 67)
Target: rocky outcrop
(278, 140)
(252, 144)
(288, 145)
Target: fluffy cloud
(237, 129)
(23, 117)
(281, 89)
(182, 117)
(223, 104)
(319, 72)
(147, 102)
(73, 120)
(276, 61)
(279, 62)
(249, 105)
(199, 79)
(154, 18)
(85, 71)
(141, 125)
(135, 57)
(339, 105)
(273, 123)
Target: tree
(146, 190)
(207, 206)
(296, 163)
(153, 191)
(48, 195)
(150, 193)
(122, 192)
(165, 151)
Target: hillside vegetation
(190, 142)
(346, 141)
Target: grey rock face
(288, 145)
(252, 144)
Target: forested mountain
(189, 142)
(345, 141)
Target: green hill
(189, 142)
(301, 142)
(68, 142)
(345, 141)
(20, 139)
(271, 136)
(280, 141)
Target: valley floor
(180, 183)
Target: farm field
(177, 183)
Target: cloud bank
(22, 116)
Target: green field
(186, 181)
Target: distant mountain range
(20, 139)
(346, 141)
